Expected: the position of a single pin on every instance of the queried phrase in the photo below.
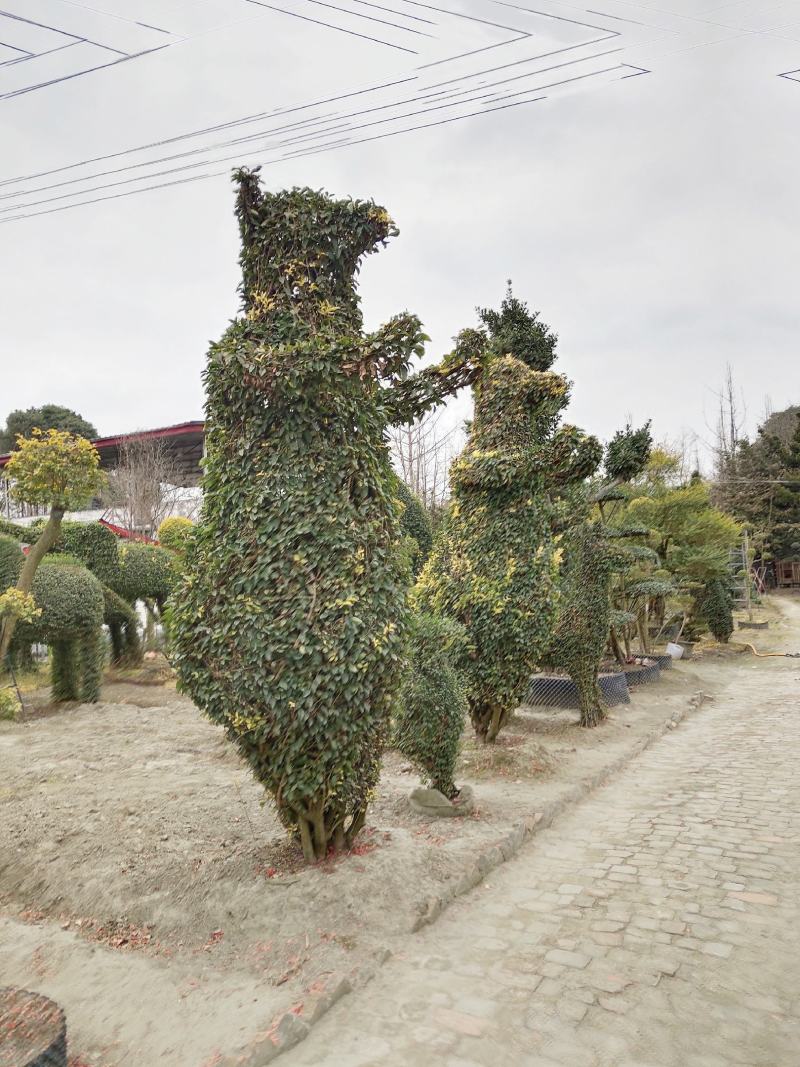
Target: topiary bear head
(301, 250)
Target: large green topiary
(494, 565)
(433, 701)
(288, 627)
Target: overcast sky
(651, 219)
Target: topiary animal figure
(145, 572)
(433, 701)
(71, 623)
(289, 625)
(494, 566)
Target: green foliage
(433, 703)
(416, 524)
(72, 606)
(145, 572)
(289, 625)
(19, 533)
(9, 705)
(516, 331)
(174, 534)
(760, 486)
(627, 453)
(715, 607)
(93, 544)
(494, 566)
(584, 616)
(55, 469)
(11, 558)
(123, 626)
(46, 417)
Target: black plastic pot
(688, 648)
(642, 673)
(33, 1030)
(558, 691)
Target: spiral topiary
(433, 701)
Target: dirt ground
(146, 885)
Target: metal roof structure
(183, 442)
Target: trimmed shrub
(26, 534)
(93, 544)
(416, 524)
(123, 626)
(11, 558)
(494, 565)
(174, 533)
(716, 607)
(581, 630)
(433, 701)
(289, 625)
(9, 705)
(145, 572)
(71, 623)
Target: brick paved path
(655, 925)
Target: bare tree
(143, 490)
(422, 452)
(731, 418)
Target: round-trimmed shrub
(145, 572)
(433, 702)
(174, 533)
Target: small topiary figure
(433, 702)
(71, 623)
(494, 566)
(289, 625)
(716, 607)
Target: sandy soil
(145, 884)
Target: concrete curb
(290, 1028)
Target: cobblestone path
(657, 924)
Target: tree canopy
(46, 417)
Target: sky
(630, 168)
